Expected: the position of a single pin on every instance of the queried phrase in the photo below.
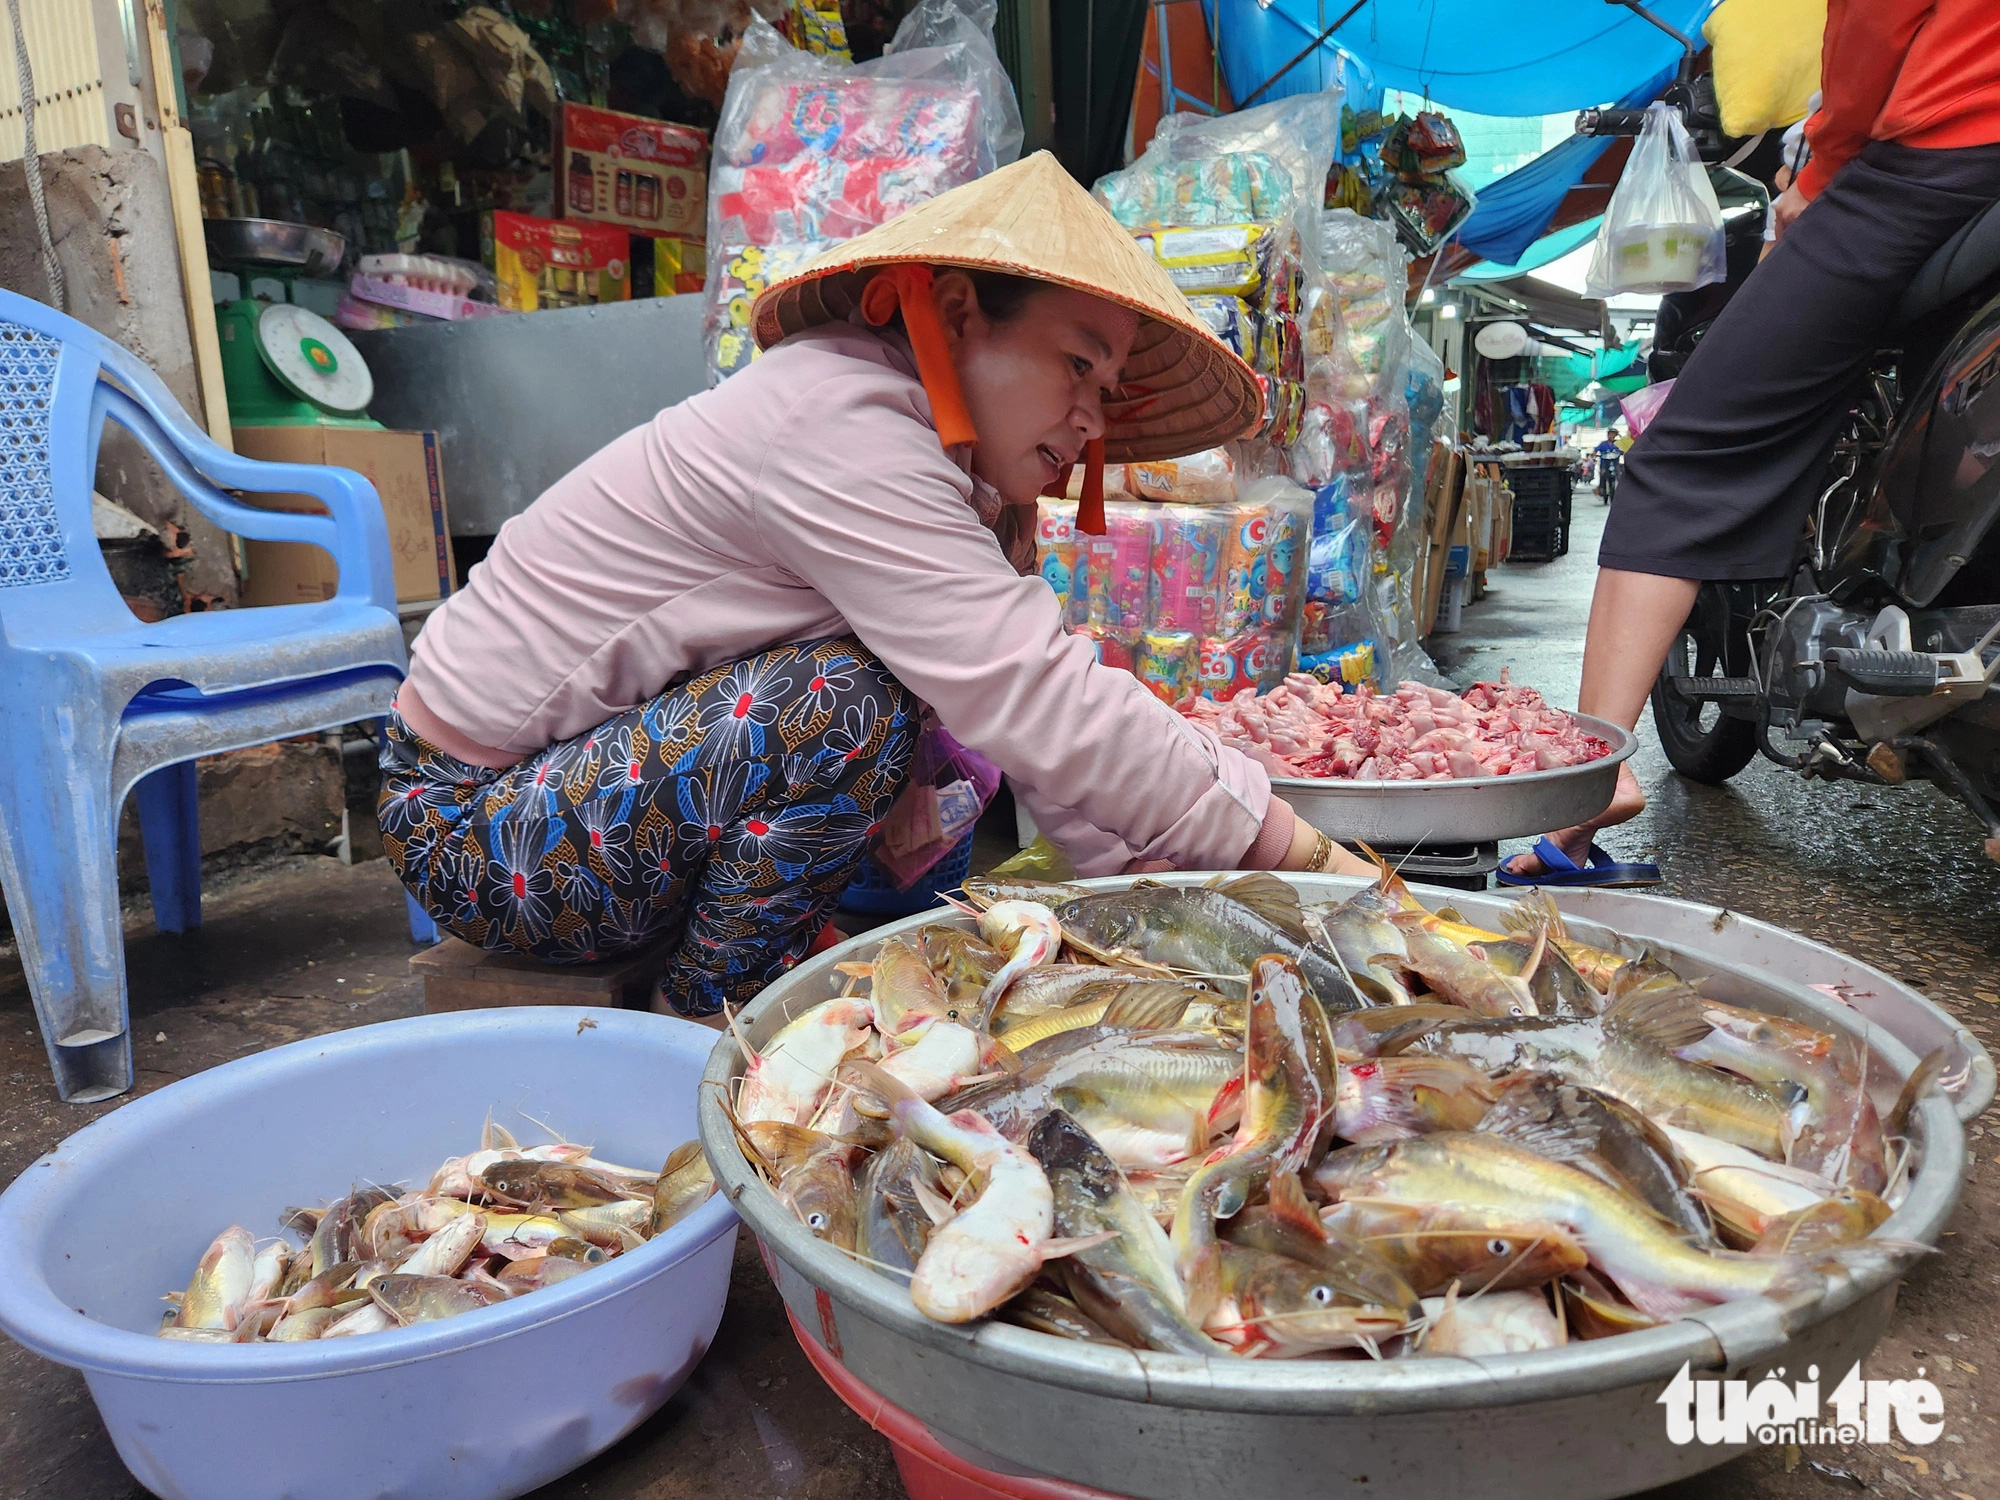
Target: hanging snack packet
(1228, 666)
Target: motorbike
(1874, 660)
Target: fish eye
(815, 1221)
(1515, 1010)
(1323, 1295)
(1497, 1247)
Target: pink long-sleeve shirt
(808, 496)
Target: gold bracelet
(1322, 854)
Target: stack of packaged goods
(1195, 592)
(811, 150)
(1198, 584)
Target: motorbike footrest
(1717, 689)
(1886, 674)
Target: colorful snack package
(1226, 259)
(1337, 553)
(1239, 662)
(1230, 319)
(1115, 648)
(1349, 666)
(1289, 528)
(1169, 663)
(1187, 560)
(1118, 567)
(1056, 549)
(1244, 580)
(817, 27)
(1205, 478)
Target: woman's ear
(958, 307)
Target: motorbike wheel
(1702, 743)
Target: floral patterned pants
(730, 810)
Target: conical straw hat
(1184, 390)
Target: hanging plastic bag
(810, 152)
(1663, 230)
(1644, 404)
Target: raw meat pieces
(1417, 733)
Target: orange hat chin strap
(1090, 509)
(908, 288)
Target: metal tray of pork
(1422, 766)
(1438, 1408)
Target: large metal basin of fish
(478, 1407)
(1580, 1421)
(1475, 810)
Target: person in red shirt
(1905, 150)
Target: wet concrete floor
(312, 946)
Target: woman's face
(1035, 385)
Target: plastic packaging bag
(810, 152)
(948, 790)
(1663, 229)
(1644, 404)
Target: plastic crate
(872, 891)
(1541, 528)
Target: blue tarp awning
(1494, 57)
(1550, 247)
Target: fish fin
(1056, 1249)
(1451, 914)
(1667, 1018)
(1272, 899)
(996, 1054)
(494, 1137)
(937, 1208)
(1231, 1197)
(750, 1053)
(1535, 956)
(1289, 1203)
(1203, 1283)
(1152, 1006)
(1660, 1303)
(1897, 1120)
(879, 1086)
(854, 970)
(680, 1157)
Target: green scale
(285, 366)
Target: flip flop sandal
(1598, 868)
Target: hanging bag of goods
(811, 151)
(1663, 230)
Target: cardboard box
(640, 174)
(403, 467)
(555, 262)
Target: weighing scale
(284, 366)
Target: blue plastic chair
(100, 703)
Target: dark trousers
(1719, 485)
(731, 810)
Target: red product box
(646, 175)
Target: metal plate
(274, 242)
(509, 427)
(1474, 811)
(1581, 1421)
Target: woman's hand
(1305, 839)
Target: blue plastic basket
(873, 892)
